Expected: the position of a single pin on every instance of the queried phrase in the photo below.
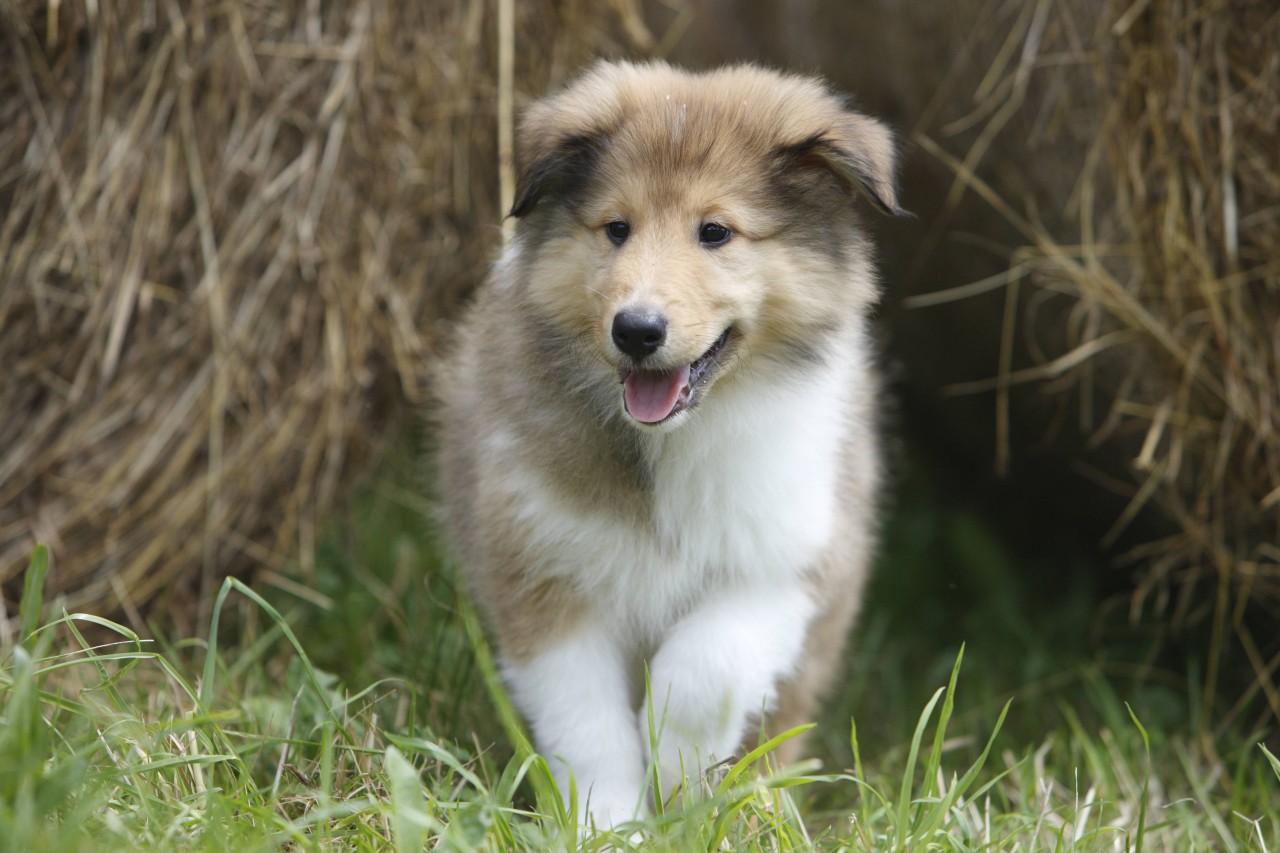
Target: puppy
(657, 438)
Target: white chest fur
(748, 487)
(744, 492)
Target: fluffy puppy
(657, 439)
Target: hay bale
(227, 233)
(1180, 274)
(1171, 333)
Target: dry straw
(226, 231)
(1171, 337)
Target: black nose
(639, 333)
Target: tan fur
(532, 388)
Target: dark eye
(714, 234)
(618, 231)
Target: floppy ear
(554, 165)
(562, 136)
(860, 151)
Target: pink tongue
(650, 397)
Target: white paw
(608, 809)
(697, 728)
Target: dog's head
(683, 225)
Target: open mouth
(653, 396)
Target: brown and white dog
(657, 441)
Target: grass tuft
(107, 743)
(33, 591)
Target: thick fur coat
(657, 441)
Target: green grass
(367, 716)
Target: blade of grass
(1271, 759)
(1204, 799)
(101, 622)
(963, 784)
(1146, 778)
(860, 779)
(751, 757)
(211, 651)
(117, 699)
(440, 754)
(211, 656)
(940, 731)
(909, 772)
(731, 802)
(33, 593)
(409, 819)
(726, 816)
(512, 775)
(652, 728)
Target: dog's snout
(639, 333)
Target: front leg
(718, 669)
(577, 698)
